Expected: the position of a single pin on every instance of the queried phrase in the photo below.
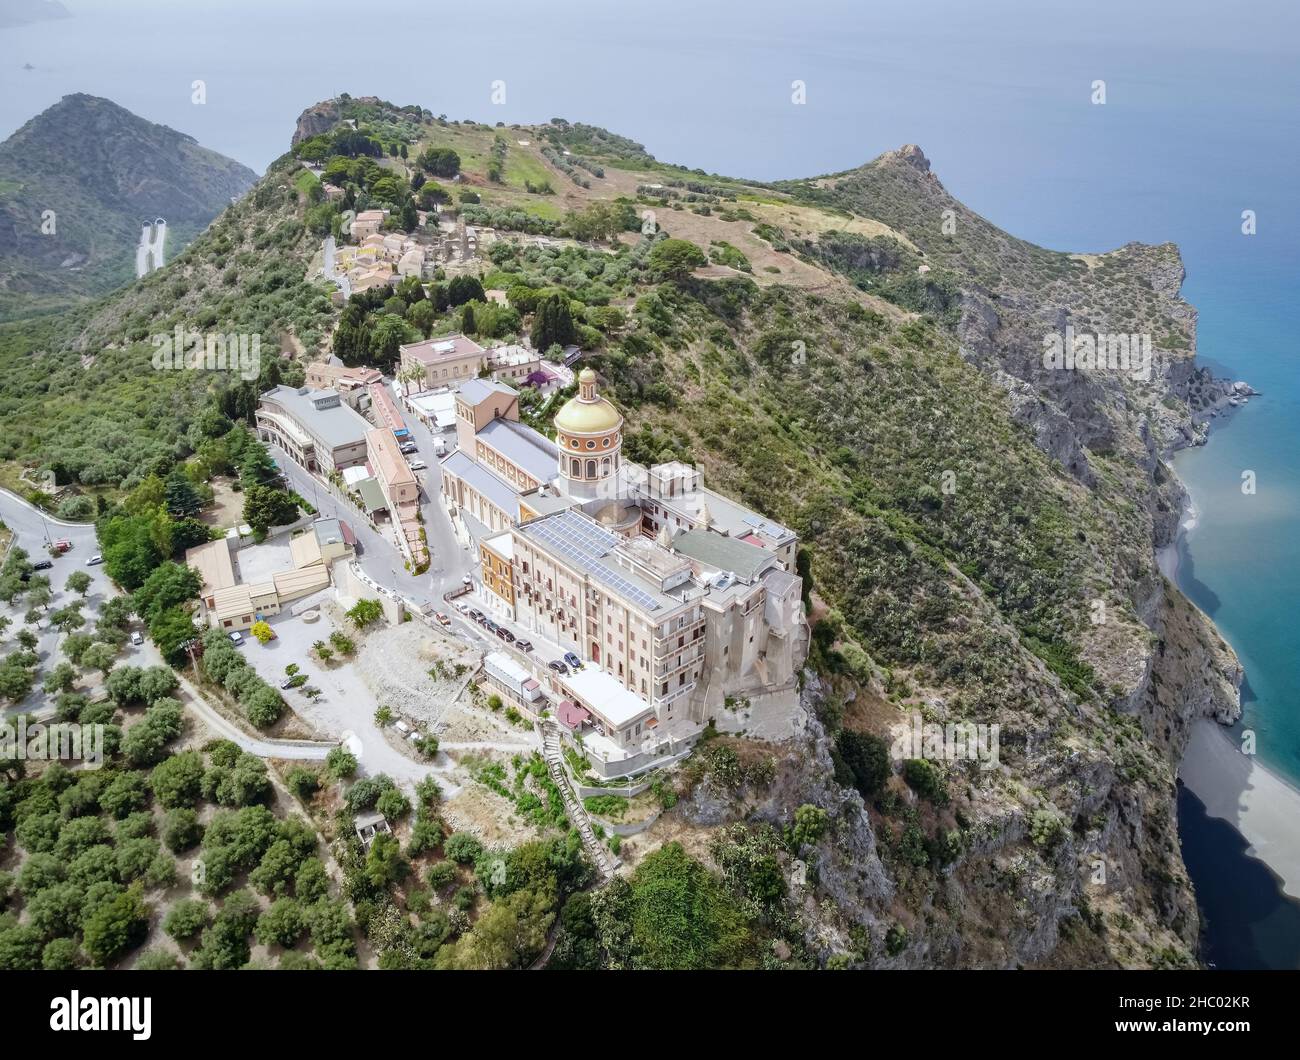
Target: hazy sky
(995, 91)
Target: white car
(418, 465)
(95, 560)
(136, 638)
(236, 637)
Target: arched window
(604, 466)
(591, 469)
(577, 468)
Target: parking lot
(390, 668)
(537, 660)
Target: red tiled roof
(571, 714)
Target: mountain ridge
(77, 180)
(974, 603)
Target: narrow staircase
(554, 755)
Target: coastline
(1238, 789)
(1258, 803)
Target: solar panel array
(773, 530)
(583, 543)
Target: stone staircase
(600, 854)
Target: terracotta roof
(571, 714)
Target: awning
(571, 715)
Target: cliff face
(1158, 662)
(979, 533)
(316, 119)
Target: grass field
(304, 182)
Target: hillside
(102, 171)
(978, 532)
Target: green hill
(977, 537)
(102, 171)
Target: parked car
(136, 637)
(44, 564)
(524, 645)
(63, 545)
(461, 609)
(467, 581)
(286, 684)
(409, 447)
(489, 625)
(476, 614)
(558, 667)
(573, 660)
(443, 619)
(236, 637)
(418, 465)
(95, 560)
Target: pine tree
(182, 498)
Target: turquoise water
(1243, 549)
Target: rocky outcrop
(315, 120)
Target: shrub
(182, 830)
(186, 919)
(341, 763)
(282, 924)
(462, 848)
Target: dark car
(524, 645)
(573, 660)
(506, 635)
(558, 667)
(489, 625)
(44, 564)
(476, 614)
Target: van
(440, 447)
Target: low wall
(624, 830)
(628, 791)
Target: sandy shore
(1236, 788)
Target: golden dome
(588, 413)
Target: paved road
(329, 253)
(32, 529)
(149, 252)
(379, 555)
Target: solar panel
(583, 542)
(762, 525)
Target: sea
(1078, 126)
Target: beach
(1238, 789)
